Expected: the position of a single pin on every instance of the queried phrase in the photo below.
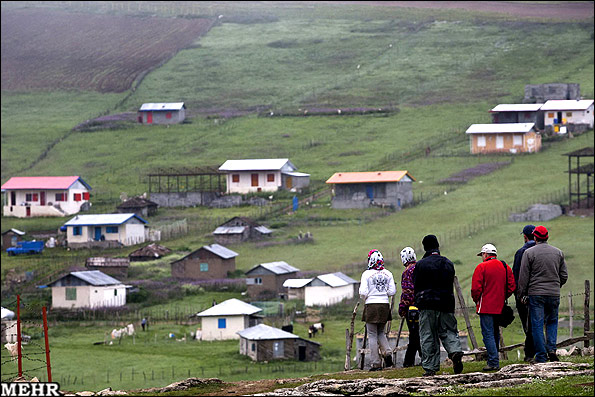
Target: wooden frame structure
(208, 179)
(586, 169)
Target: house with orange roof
(365, 189)
(31, 196)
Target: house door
(13, 198)
(302, 353)
(97, 233)
(254, 179)
(499, 142)
(41, 198)
(149, 117)
(370, 192)
(28, 211)
(559, 114)
(289, 182)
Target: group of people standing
(427, 301)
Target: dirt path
(554, 10)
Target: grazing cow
(314, 328)
(288, 328)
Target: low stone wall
(537, 213)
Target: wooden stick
(587, 298)
(349, 338)
(399, 334)
(570, 315)
(465, 313)
(363, 354)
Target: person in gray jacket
(543, 273)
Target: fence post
(587, 299)
(19, 353)
(570, 314)
(47, 344)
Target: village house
(266, 343)
(295, 288)
(208, 262)
(162, 113)
(239, 229)
(87, 289)
(330, 289)
(263, 175)
(365, 189)
(149, 253)
(504, 138)
(138, 205)
(104, 230)
(224, 320)
(266, 280)
(117, 267)
(11, 237)
(518, 113)
(31, 196)
(562, 116)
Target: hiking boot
(388, 361)
(552, 356)
(375, 369)
(457, 362)
(489, 368)
(530, 360)
(429, 373)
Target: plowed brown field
(104, 53)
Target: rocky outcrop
(511, 375)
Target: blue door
(97, 233)
(370, 191)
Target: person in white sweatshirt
(377, 285)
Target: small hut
(162, 113)
(138, 205)
(11, 237)
(266, 343)
(239, 229)
(208, 262)
(148, 253)
(117, 267)
(266, 280)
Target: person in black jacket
(521, 307)
(433, 280)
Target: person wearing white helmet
(407, 308)
(376, 287)
(492, 283)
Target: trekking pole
(363, 355)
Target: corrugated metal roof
(371, 177)
(501, 128)
(263, 229)
(517, 107)
(567, 104)
(15, 231)
(93, 277)
(280, 267)
(147, 107)
(42, 182)
(296, 174)
(220, 250)
(296, 282)
(102, 219)
(265, 332)
(336, 280)
(230, 307)
(257, 164)
(230, 230)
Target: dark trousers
(414, 345)
(526, 322)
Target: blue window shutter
(222, 323)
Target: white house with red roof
(31, 196)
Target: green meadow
(440, 71)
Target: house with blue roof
(87, 289)
(105, 230)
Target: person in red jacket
(492, 283)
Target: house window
(517, 140)
(168, 115)
(70, 294)
(28, 197)
(76, 231)
(204, 267)
(77, 197)
(270, 177)
(550, 115)
(568, 114)
(111, 229)
(278, 349)
(35, 197)
(115, 292)
(253, 346)
(86, 196)
(257, 280)
(221, 323)
(235, 178)
(481, 141)
(60, 197)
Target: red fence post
(19, 356)
(47, 344)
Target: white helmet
(408, 255)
